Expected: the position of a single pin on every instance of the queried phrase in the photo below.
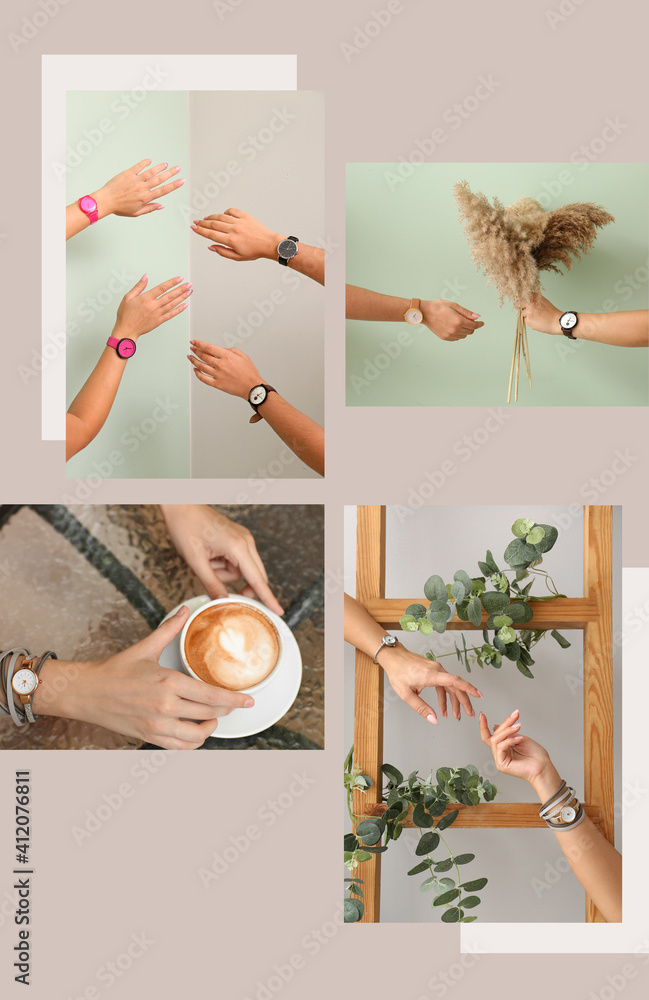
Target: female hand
(410, 673)
(239, 236)
(218, 550)
(541, 315)
(225, 368)
(131, 694)
(133, 192)
(140, 311)
(519, 755)
(448, 320)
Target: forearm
(623, 329)
(361, 303)
(60, 689)
(310, 262)
(92, 404)
(594, 862)
(302, 435)
(360, 628)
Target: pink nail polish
(193, 226)
(180, 183)
(431, 718)
(248, 703)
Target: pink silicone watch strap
(112, 342)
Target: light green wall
(405, 238)
(104, 261)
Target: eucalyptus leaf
(519, 553)
(435, 588)
(420, 817)
(425, 627)
(421, 867)
(464, 859)
(470, 901)
(474, 611)
(443, 866)
(446, 897)
(464, 579)
(427, 844)
(353, 910)
(494, 602)
(363, 855)
(535, 536)
(393, 773)
(416, 610)
(458, 590)
(368, 831)
(561, 639)
(447, 820)
(451, 916)
(474, 886)
(550, 537)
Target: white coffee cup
(261, 610)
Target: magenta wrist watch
(88, 206)
(125, 348)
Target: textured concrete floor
(53, 596)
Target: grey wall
(283, 186)
(440, 540)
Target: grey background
(558, 87)
(283, 188)
(427, 540)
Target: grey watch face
(390, 640)
(287, 249)
(568, 320)
(257, 395)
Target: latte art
(232, 646)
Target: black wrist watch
(287, 249)
(568, 322)
(258, 395)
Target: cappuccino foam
(232, 646)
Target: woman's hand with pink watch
(141, 311)
(131, 193)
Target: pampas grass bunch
(513, 244)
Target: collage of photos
(452, 609)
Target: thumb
(465, 312)
(138, 288)
(151, 647)
(420, 707)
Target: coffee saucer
(271, 703)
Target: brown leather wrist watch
(258, 395)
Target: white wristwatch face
(24, 681)
(257, 395)
(413, 316)
(568, 320)
(568, 814)
(389, 640)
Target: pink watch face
(126, 348)
(88, 204)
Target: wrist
(122, 330)
(105, 204)
(245, 392)
(270, 247)
(429, 310)
(546, 782)
(60, 689)
(390, 656)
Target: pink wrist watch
(125, 347)
(88, 206)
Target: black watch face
(568, 321)
(257, 395)
(287, 249)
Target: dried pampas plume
(513, 244)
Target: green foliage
(508, 604)
(428, 800)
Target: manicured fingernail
(165, 165)
(184, 305)
(515, 712)
(519, 739)
(190, 292)
(189, 284)
(175, 169)
(192, 342)
(193, 226)
(517, 726)
(480, 694)
(211, 248)
(180, 610)
(249, 702)
(158, 207)
(431, 718)
(476, 315)
(180, 183)
(144, 277)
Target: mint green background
(409, 242)
(158, 244)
